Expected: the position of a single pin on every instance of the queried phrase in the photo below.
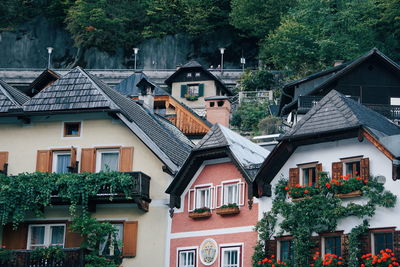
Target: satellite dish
(381, 179)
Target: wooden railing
(22, 258)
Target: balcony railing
(22, 258)
(391, 112)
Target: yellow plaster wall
(210, 89)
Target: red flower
(286, 188)
(306, 191)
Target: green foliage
(248, 115)
(355, 243)
(231, 205)
(265, 229)
(55, 253)
(270, 125)
(201, 210)
(257, 80)
(5, 255)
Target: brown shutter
(337, 170)
(72, 240)
(364, 168)
(3, 160)
(88, 160)
(294, 176)
(130, 239)
(43, 161)
(72, 163)
(15, 239)
(318, 170)
(126, 159)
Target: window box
(191, 97)
(228, 210)
(355, 193)
(300, 199)
(200, 213)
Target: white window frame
(231, 247)
(394, 101)
(112, 239)
(197, 74)
(187, 249)
(323, 247)
(306, 166)
(189, 75)
(55, 157)
(194, 86)
(99, 153)
(209, 188)
(47, 237)
(278, 247)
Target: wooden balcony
(22, 258)
(391, 112)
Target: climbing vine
(318, 209)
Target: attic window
(72, 129)
(197, 74)
(189, 74)
(220, 103)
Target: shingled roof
(80, 90)
(337, 112)
(129, 86)
(10, 98)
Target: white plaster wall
(329, 152)
(210, 89)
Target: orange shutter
(294, 176)
(318, 170)
(3, 160)
(337, 170)
(72, 163)
(364, 168)
(130, 239)
(88, 160)
(72, 240)
(43, 161)
(126, 159)
(15, 239)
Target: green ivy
(55, 253)
(355, 243)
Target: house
(372, 80)
(181, 115)
(343, 138)
(211, 200)
(192, 83)
(79, 124)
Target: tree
(257, 80)
(247, 116)
(270, 125)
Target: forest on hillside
(297, 35)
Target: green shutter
(201, 89)
(183, 90)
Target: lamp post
(242, 61)
(49, 51)
(222, 50)
(135, 50)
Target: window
(46, 235)
(61, 161)
(112, 244)
(382, 241)
(395, 101)
(187, 258)
(309, 176)
(286, 250)
(230, 257)
(107, 160)
(353, 168)
(231, 194)
(193, 90)
(332, 244)
(197, 74)
(188, 74)
(203, 197)
(72, 129)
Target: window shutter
(318, 170)
(130, 239)
(88, 160)
(15, 239)
(294, 176)
(241, 193)
(72, 239)
(72, 163)
(212, 197)
(43, 161)
(126, 159)
(364, 168)
(337, 170)
(183, 90)
(201, 89)
(218, 196)
(191, 194)
(3, 160)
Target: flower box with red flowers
(230, 209)
(385, 258)
(328, 259)
(299, 192)
(200, 213)
(346, 186)
(270, 262)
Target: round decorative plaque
(208, 251)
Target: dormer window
(72, 129)
(197, 74)
(189, 74)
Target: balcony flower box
(191, 97)
(300, 199)
(355, 193)
(228, 210)
(201, 213)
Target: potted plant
(346, 186)
(200, 213)
(299, 192)
(229, 209)
(191, 97)
(327, 260)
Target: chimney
(146, 94)
(337, 62)
(218, 110)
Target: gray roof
(129, 87)
(337, 112)
(192, 64)
(10, 98)
(81, 90)
(245, 152)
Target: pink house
(211, 200)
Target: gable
(182, 75)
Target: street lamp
(49, 51)
(242, 61)
(222, 50)
(135, 50)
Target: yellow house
(79, 124)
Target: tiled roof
(337, 112)
(10, 97)
(129, 87)
(192, 64)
